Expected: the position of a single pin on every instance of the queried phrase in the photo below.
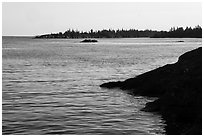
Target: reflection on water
(52, 86)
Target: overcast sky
(40, 18)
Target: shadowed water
(52, 86)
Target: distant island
(89, 41)
(178, 32)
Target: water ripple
(52, 86)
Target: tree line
(178, 32)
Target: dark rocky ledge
(179, 90)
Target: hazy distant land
(178, 32)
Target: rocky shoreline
(179, 90)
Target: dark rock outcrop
(179, 90)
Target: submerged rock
(179, 88)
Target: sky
(34, 18)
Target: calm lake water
(52, 86)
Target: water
(52, 86)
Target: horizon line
(95, 30)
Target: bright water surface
(52, 86)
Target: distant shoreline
(33, 37)
(178, 32)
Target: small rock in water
(89, 40)
(180, 41)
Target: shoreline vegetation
(178, 32)
(178, 87)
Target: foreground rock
(179, 88)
